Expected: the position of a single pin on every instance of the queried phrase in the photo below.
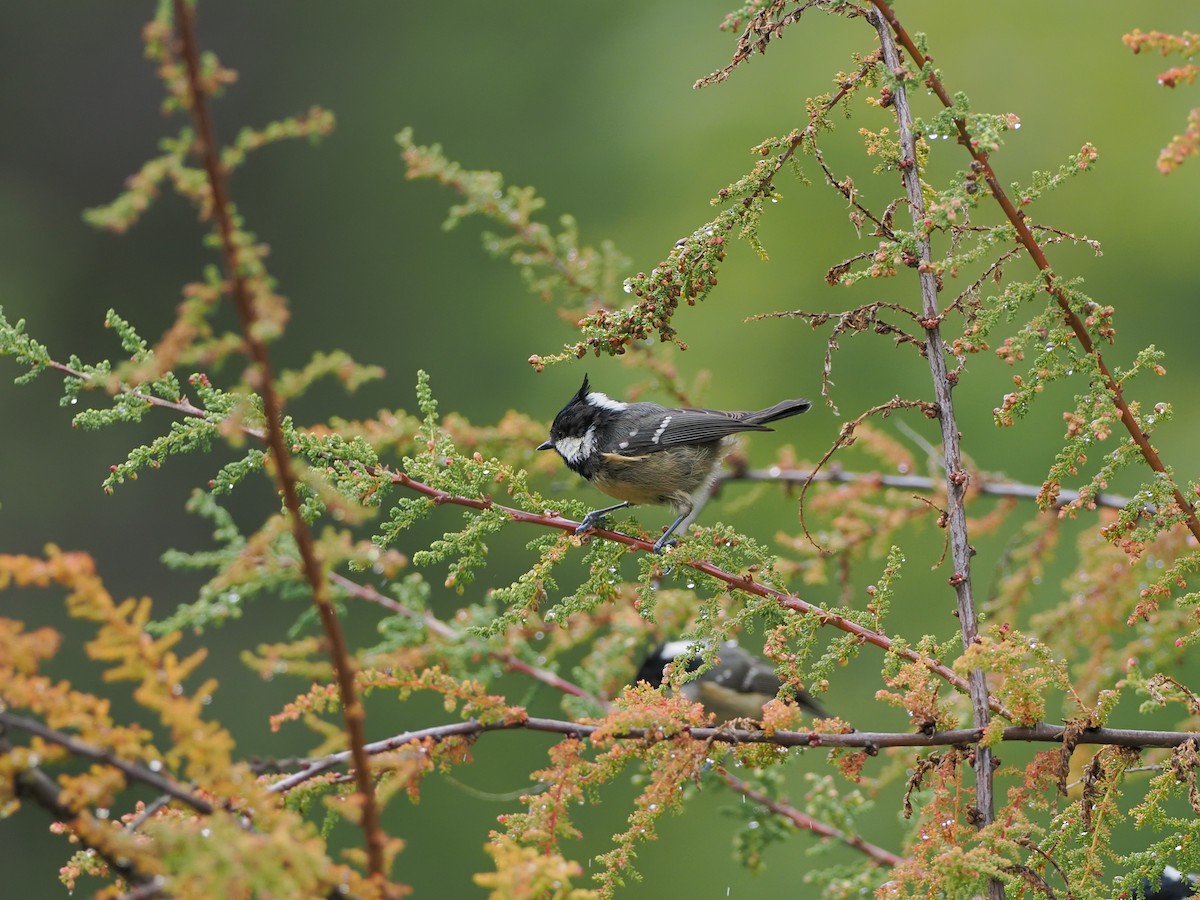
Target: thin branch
(450, 634)
(877, 855)
(836, 475)
(1029, 241)
(133, 772)
(846, 437)
(983, 485)
(870, 741)
(353, 713)
(35, 786)
(313, 768)
(957, 478)
(766, 24)
(183, 406)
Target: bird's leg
(592, 519)
(666, 538)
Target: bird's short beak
(545, 445)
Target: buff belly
(665, 477)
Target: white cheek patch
(661, 428)
(575, 449)
(675, 649)
(595, 398)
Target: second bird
(646, 453)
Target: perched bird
(735, 688)
(646, 453)
(1175, 886)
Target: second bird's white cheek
(574, 449)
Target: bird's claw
(589, 523)
(662, 543)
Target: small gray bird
(646, 453)
(735, 688)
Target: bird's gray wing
(657, 428)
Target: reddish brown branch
(877, 855)
(1026, 237)
(285, 473)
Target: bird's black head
(578, 426)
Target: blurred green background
(594, 106)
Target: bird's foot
(663, 542)
(591, 521)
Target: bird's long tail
(779, 411)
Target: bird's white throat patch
(676, 649)
(595, 398)
(576, 449)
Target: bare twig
(877, 855)
(133, 772)
(449, 633)
(313, 768)
(912, 482)
(353, 713)
(846, 437)
(957, 478)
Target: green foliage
(25, 350)
(554, 265)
